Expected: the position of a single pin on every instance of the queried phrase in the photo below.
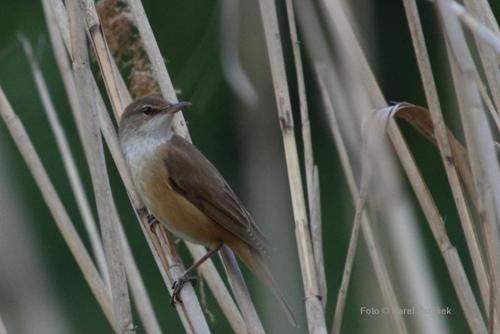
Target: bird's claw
(177, 287)
(152, 221)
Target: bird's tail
(257, 264)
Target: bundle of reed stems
(367, 137)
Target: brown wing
(194, 177)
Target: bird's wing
(195, 178)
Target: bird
(184, 192)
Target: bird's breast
(174, 211)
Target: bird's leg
(152, 221)
(184, 278)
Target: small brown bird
(186, 193)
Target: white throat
(145, 140)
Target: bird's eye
(147, 111)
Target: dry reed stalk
(391, 206)
(455, 268)
(231, 312)
(381, 271)
(480, 144)
(314, 309)
(490, 65)
(64, 24)
(111, 138)
(180, 128)
(140, 295)
(190, 309)
(2, 327)
(59, 18)
(479, 135)
(57, 210)
(68, 161)
(167, 260)
(192, 316)
(351, 252)
(491, 22)
(449, 252)
(317, 235)
(164, 266)
(420, 119)
(232, 68)
(241, 293)
(487, 56)
(337, 136)
(356, 56)
(487, 101)
(223, 297)
(108, 216)
(63, 63)
(58, 9)
(480, 30)
(144, 307)
(158, 64)
(103, 55)
(312, 176)
(447, 157)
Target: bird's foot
(152, 221)
(177, 287)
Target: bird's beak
(175, 107)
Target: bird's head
(149, 116)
